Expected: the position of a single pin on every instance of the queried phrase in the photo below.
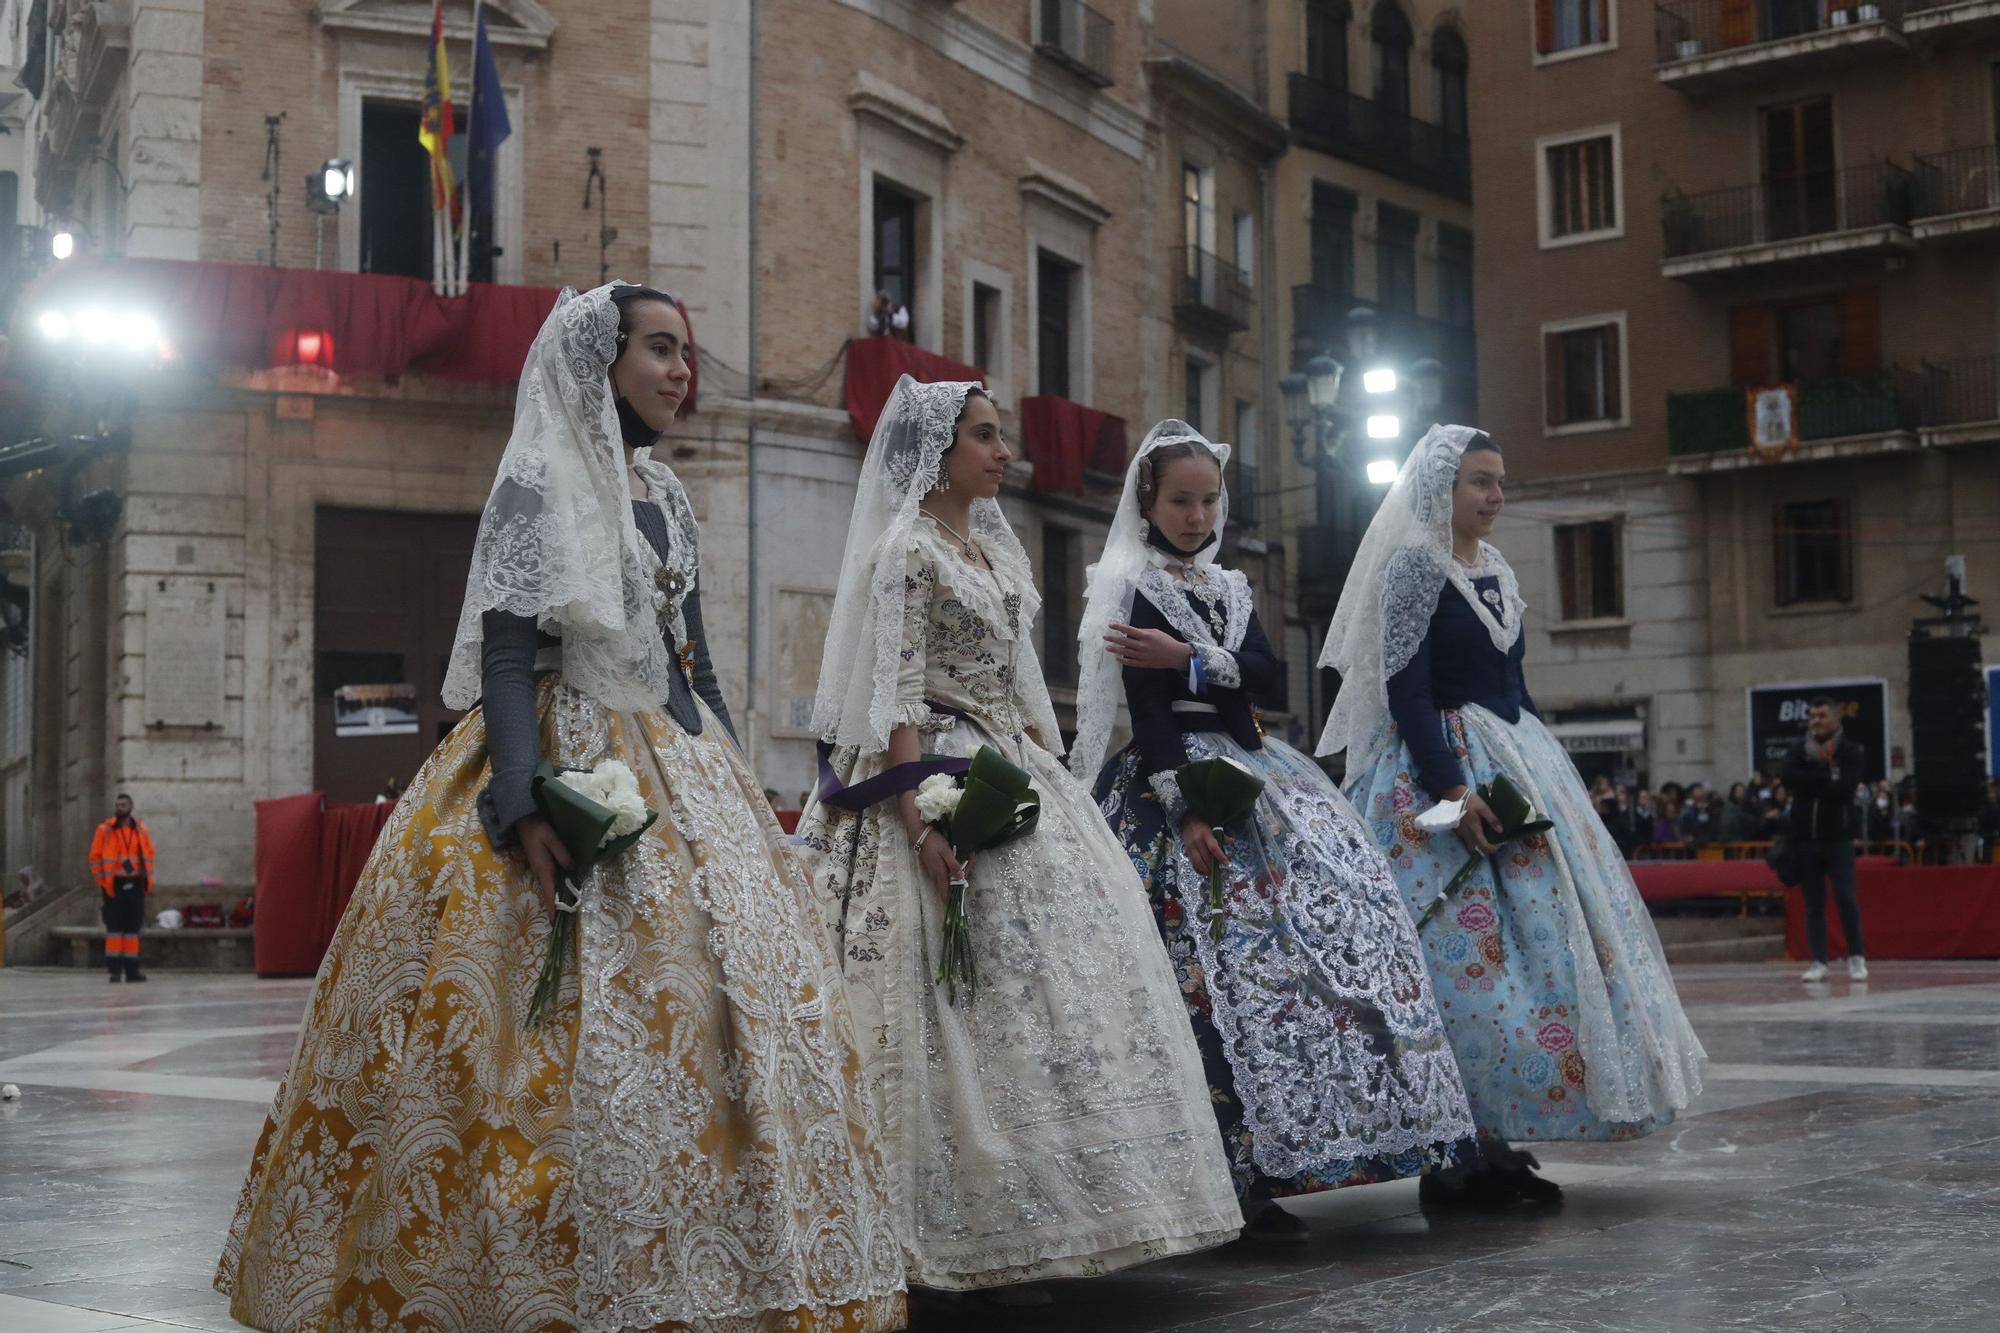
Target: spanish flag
(436, 129)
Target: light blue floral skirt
(1555, 993)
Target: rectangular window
(1243, 468)
(1571, 25)
(1332, 240)
(1455, 275)
(1054, 281)
(985, 326)
(395, 194)
(1396, 257)
(1590, 569)
(1195, 413)
(1580, 187)
(1583, 369)
(1813, 542)
(1246, 247)
(1326, 41)
(1801, 197)
(896, 251)
(1061, 594)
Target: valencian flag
(489, 127)
(436, 129)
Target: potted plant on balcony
(1687, 48)
(1840, 18)
(1868, 13)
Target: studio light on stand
(62, 245)
(1381, 471)
(326, 190)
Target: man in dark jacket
(1823, 770)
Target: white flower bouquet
(991, 803)
(599, 814)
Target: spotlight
(54, 325)
(139, 333)
(93, 325)
(1384, 426)
(331, 186)
(1381, 471)
(1382, 379)
(63, 244)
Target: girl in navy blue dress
(1325, 1055)
(1554, 988)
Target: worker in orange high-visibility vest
(121, 860)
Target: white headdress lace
(1108, 596)
(557, 541)
(1392, 588)
(856, 702)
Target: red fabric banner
(309, 856)
(1912, 912)
(253, 317)
(1066, 439)
(875, 364)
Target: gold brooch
(686, 655)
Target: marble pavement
(1841, 1172)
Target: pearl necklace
(966, 547)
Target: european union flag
(490, 126)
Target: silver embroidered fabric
(669, 1229)
(557, 542)
(1318, 940)
(1385, 610)
(1059, 1124)
(856, 701)
(1107, 599)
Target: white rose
(937, 797)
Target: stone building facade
(757, 160)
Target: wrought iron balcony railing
(1210, 290)
(1712, 421)
(1961, 392)
(1786, 208)
(1386, 138)
(1076, 35)
(1965, 180)
(1690, 29)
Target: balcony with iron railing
(1876, 412)
(1321, 315)
(1953, 20)
(1246, 504)
(1210, 293)
(1958, 194)
(1961, 399)
(1703, 45)
(1077, 37)
(1330, 119)
(1787, 220)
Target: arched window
(1391, 37)
(1448, 63)
(1326, 41)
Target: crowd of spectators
(1673, 820)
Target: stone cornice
(877, 97)
(518, 23)
(1071, 196)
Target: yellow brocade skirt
(682, 1144)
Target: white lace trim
(1219, 666)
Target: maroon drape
(250, 317)
(873, 366)
(1912, 912)
(309, 857)
(1064, 439)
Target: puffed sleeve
(919, 586)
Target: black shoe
(117, 977)
(1274, 1226)
(1480, 1188)
(1531, 1187)
(136, 975)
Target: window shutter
(1739, 22)
(1860, 330)
(1552, 378)
(1545, 26)
(1749, 345)
(1614, 389)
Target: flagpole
(471, 146)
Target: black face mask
(638, 435)
(1159, 542)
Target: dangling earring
(944, 481)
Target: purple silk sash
(891, 781)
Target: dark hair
(626, 297)
(976, 391)
(1481, 442)
(121, 796)
(1824, 701)
(1154, 463)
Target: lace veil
(557, 541)
(856, 702)
(1108, 597)
(1392, 590)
